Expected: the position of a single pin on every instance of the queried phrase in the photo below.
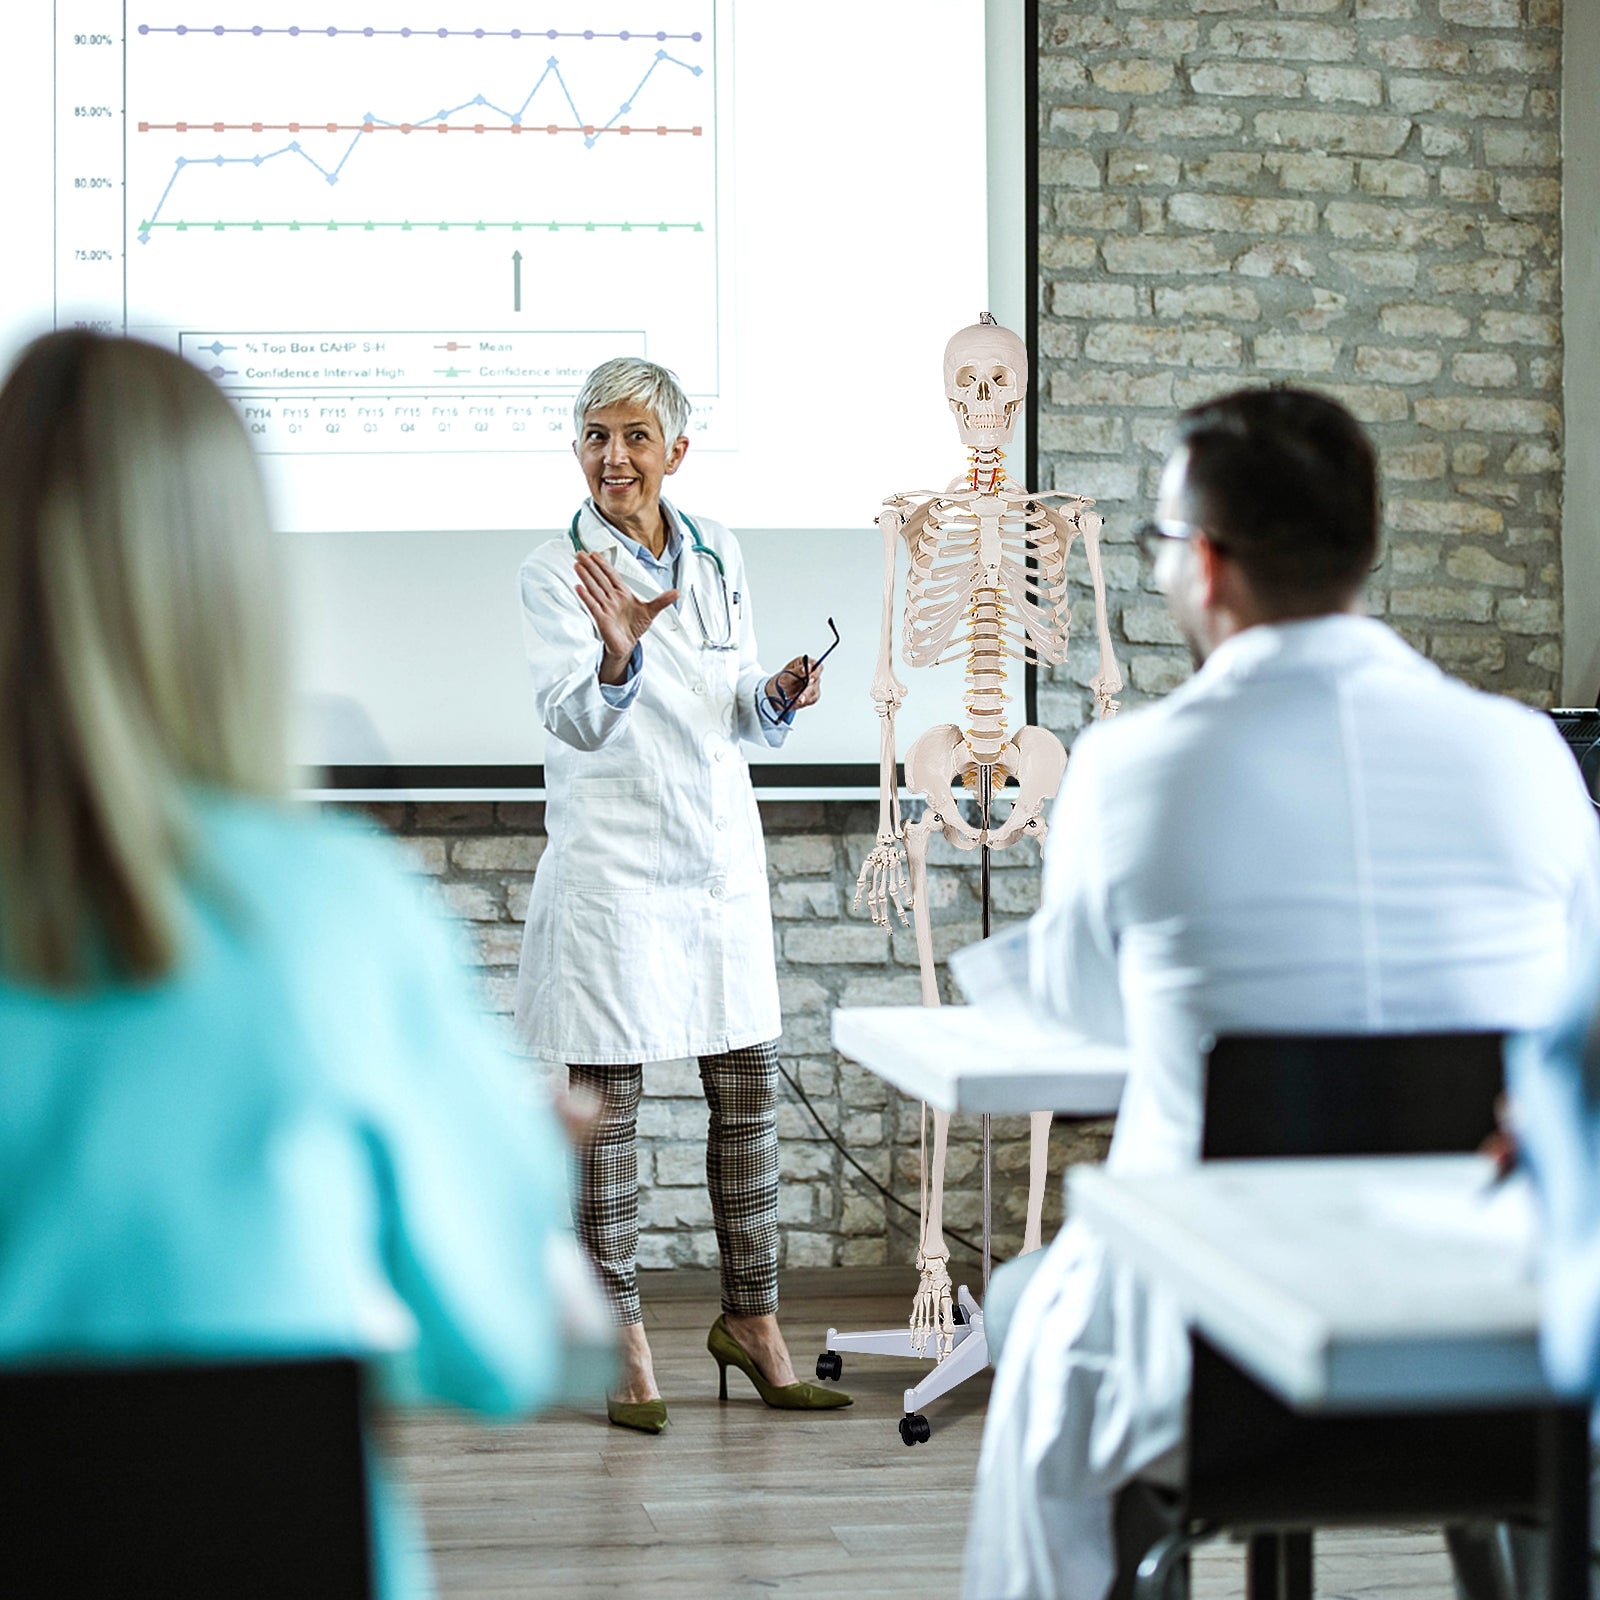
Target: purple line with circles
(184, 30)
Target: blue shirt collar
(667, 564)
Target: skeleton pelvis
(1033, 757)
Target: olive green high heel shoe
(646, 1416)
(728, 1352)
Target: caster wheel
(914, 1429)
(829, 1366)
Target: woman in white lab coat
(649, 931)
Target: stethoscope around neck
(711, 638)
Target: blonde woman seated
(245, 1106)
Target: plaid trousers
(741, 1173)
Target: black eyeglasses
(785, 700)
(1150, 536)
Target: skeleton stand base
(969, 1354)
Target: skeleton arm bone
(1108, 679)
(883, 874)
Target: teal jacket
(304, 1141)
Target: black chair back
(185, 1483)
(1255, 1463)
(1279, 1095)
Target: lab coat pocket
(615, 845)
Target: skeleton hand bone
(933, 1311)
(1105, 685)
(883, 880)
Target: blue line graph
(431, 121)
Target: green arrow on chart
(516, 280)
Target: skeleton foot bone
(933, 1314)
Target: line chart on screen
(354, 226)
(400, 233)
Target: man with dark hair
(1319, 832)
(1287, 483)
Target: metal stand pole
(985, 799)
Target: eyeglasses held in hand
(786, 701)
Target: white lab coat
(649, 931)
(1320, 831)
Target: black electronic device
(1580, 727)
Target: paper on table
(994, 972)
(1502, 1216)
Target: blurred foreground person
(246, 1110)
(1553, 1079)
(1553, 1084)
(1318, 833)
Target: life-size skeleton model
(987, 583)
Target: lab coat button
(716, 891)
(722, 823)
(699, 688)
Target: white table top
(1364, 1284)
(969, 1058)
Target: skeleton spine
(985, 469)
(986, 620)
(986, 678)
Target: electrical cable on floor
(888, 1194)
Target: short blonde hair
(634, 378)
(141, 624)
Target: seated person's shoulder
(305, 863)
(1500, 719)
(1137, 731)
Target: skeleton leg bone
(933, 1310)
(1038, 1171)
(1040, 761)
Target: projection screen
(399, 236)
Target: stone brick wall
(1358, 194)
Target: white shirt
(1320, 832)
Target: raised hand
(620, 617)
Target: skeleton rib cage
(971, 595)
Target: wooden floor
(737, 1500)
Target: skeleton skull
(985, 379)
